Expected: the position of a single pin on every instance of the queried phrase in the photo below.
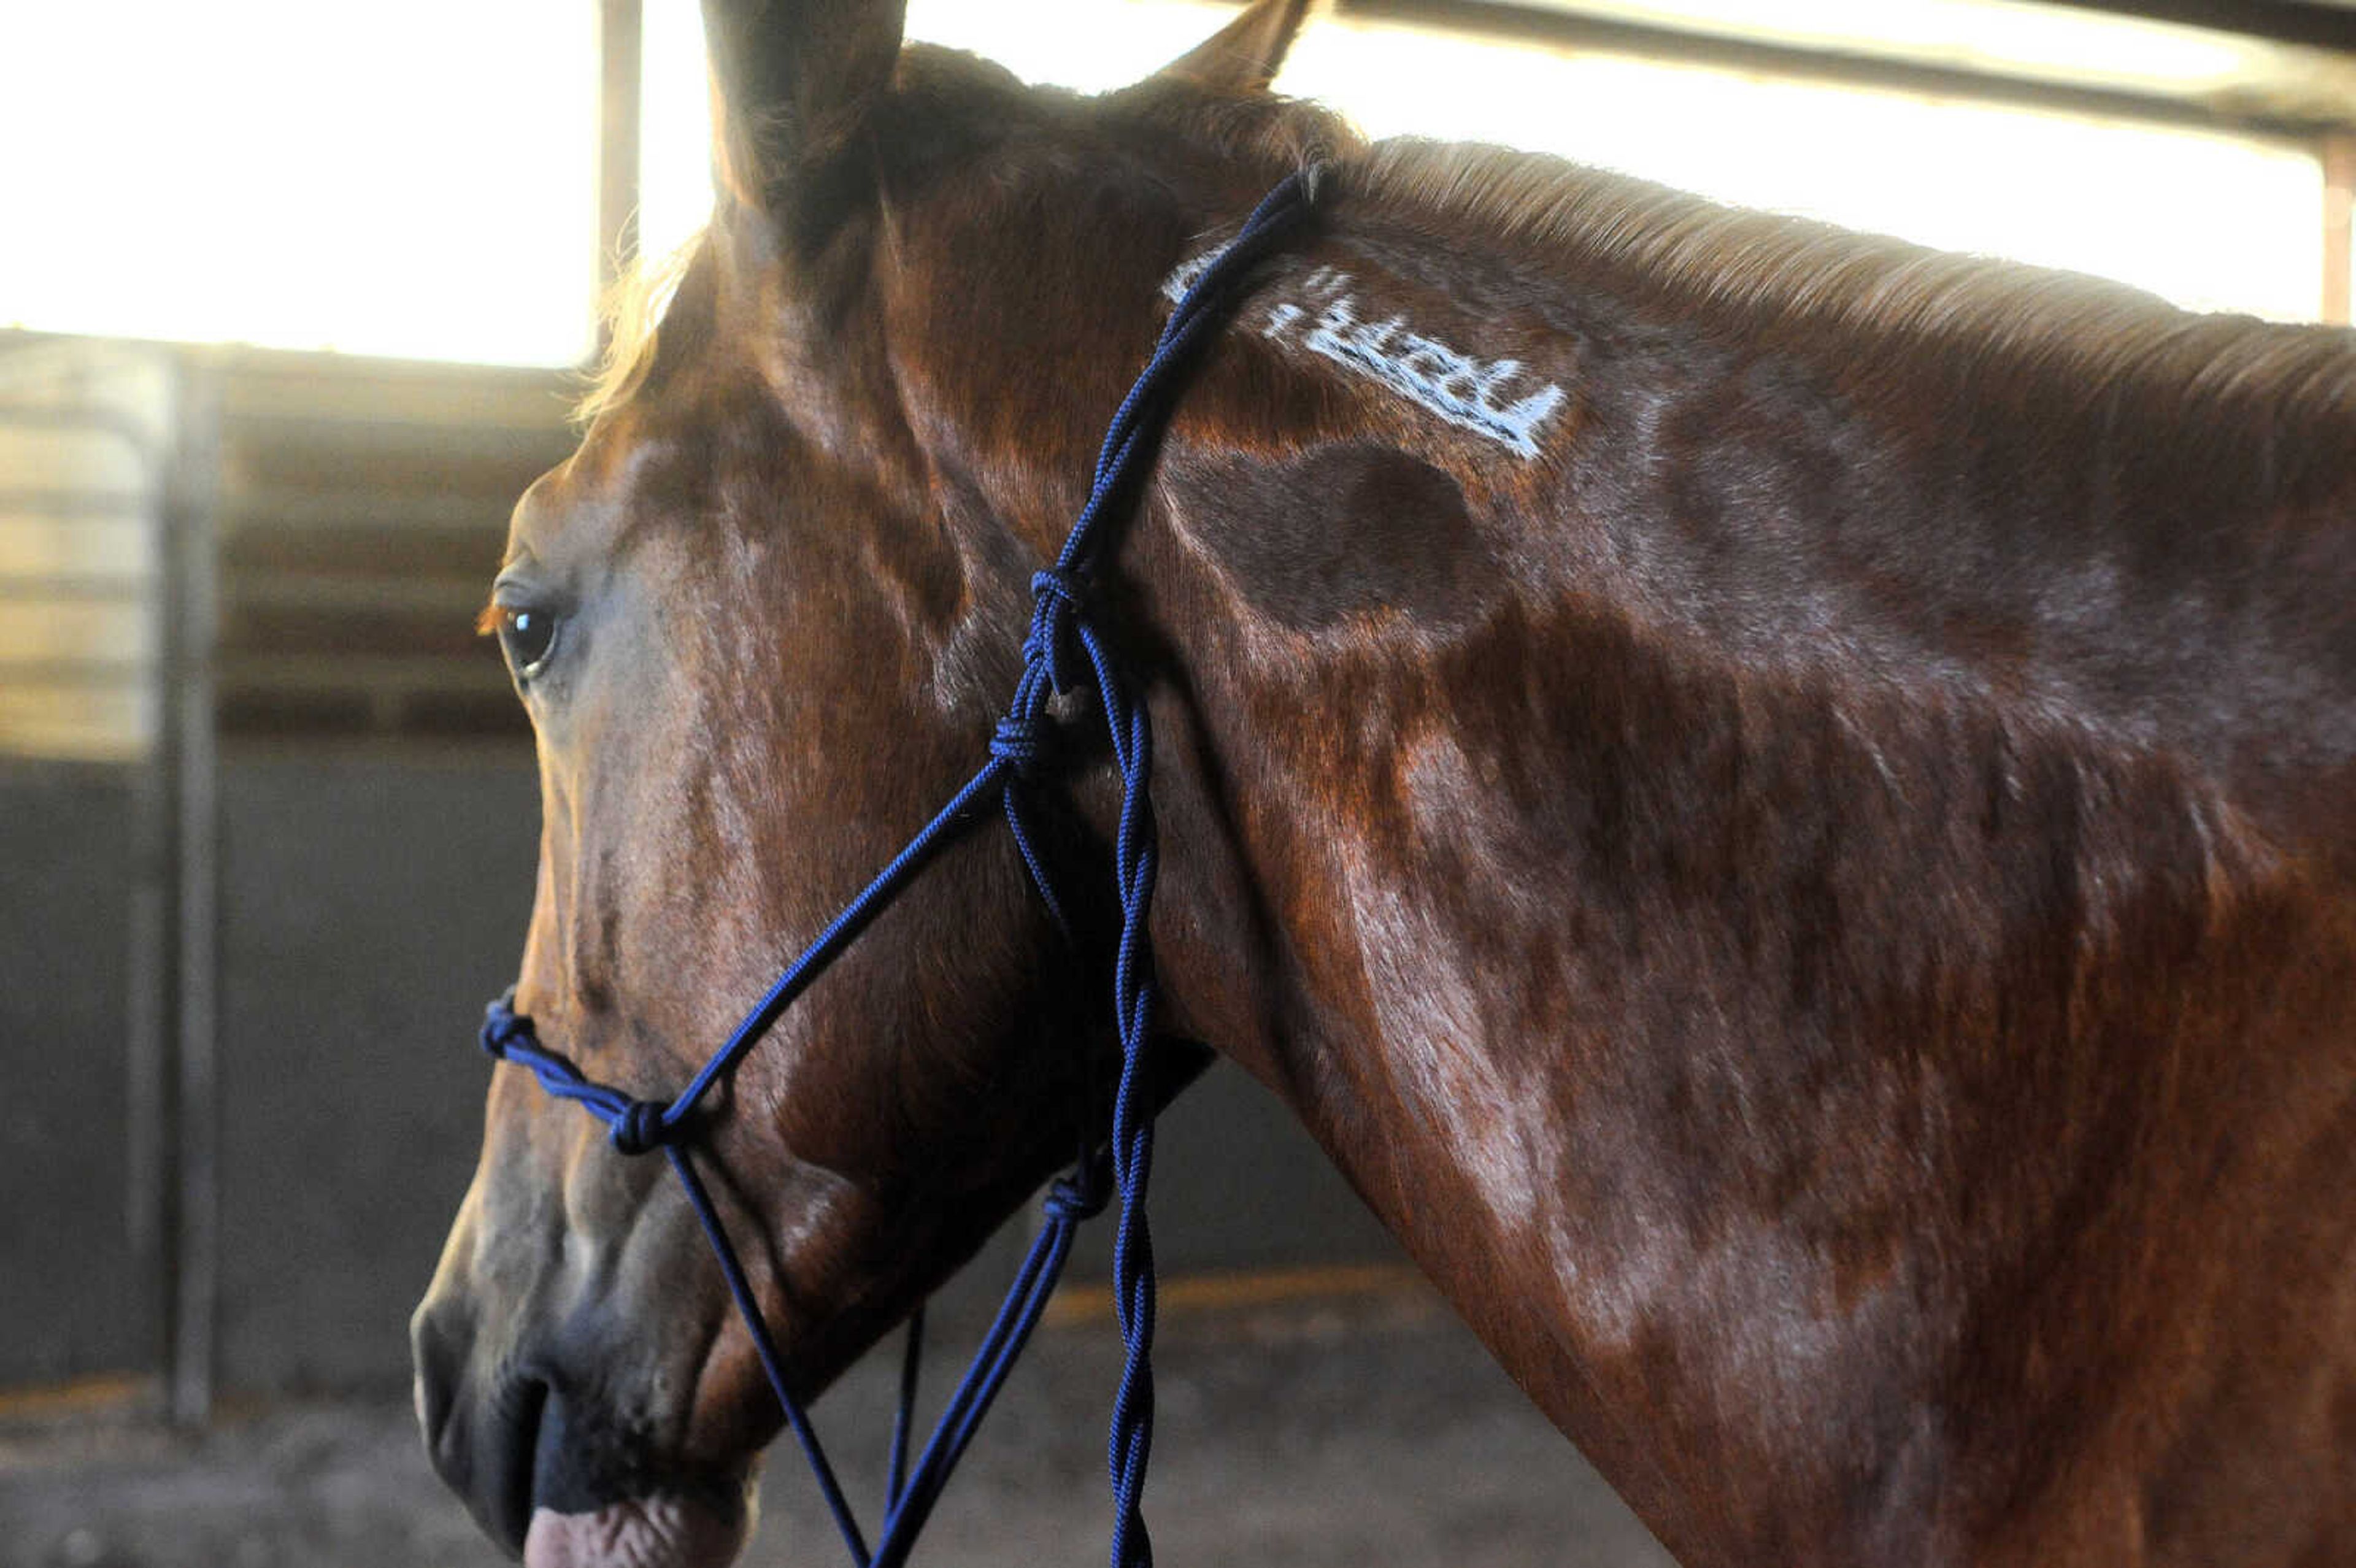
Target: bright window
(415, 179)
(2208, 220)
(419, 181)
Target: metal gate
(105, 810)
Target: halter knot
(1072, 1199)
(503, 1027)
(641, 1127)
(1065, 587)
(1021, 741)
(1059, 599)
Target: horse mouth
(562, 1499)
(683, 1530)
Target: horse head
(762, 620)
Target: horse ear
(1245, 54)
(792, 81)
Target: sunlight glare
(417, 180)
(422, 182)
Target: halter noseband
(1063, 652)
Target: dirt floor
(1360, 1432)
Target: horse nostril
(502, 1492)
(438, 1358)
(482, 1435)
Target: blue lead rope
(1063, 651)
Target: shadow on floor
(1370, 1432)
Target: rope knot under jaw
(1074, 1200)
(640, 1128)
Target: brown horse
(1785, 806)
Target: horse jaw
(653, 1532)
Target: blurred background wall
(291, 302)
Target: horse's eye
(527, 636)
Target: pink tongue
(654, 1532)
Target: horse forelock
(630, 314)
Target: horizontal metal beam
(2278, 21)
(77, 588)
(280, 507)
(1564, 29)
(89, 422)
(73, 505)
(381, 674)
(77, 674)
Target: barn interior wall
(371, 898)
(78, 1294)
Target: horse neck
(1731, 581)
(1653, 918)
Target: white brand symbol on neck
(1466, 391)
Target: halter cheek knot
(503, 1027)
(641, 1127)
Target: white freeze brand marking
(1465, 392)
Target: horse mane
(2077, 331)
(2010, 325)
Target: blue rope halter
(1065, 651)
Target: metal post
(153, 949)
(2339, 211)
(191, 491)
(620, 53)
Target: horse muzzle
(562, 1477)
